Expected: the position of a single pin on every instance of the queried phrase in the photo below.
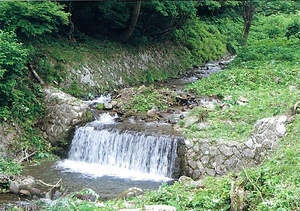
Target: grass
(271, 87)
(267, 74)
(63, 62)
(278, 178)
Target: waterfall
(100, 145)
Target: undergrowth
(145, 98)
(269, 82)
(275, 185)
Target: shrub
(31, 19)
(19, 96)
(293, 29)
(205, 41)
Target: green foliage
(265, 75)
(231, 28)
(106, 18)
(39, 145)
(13, 56)
(161, 17)
(275, 185)
(72, 203)
(46, 69)
(293, 29)
(110, 18)
(278, 7)
(173, 9)
(20, 97)
(147, 98)
(16, 92)
(75, 89)
(8, 166)
(214, 195)
(217, 8)
(31, 18)
(269, 50)
(100, 106)
(204, 41)
(270, 27)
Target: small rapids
(99, 149)
(109, 156)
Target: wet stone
(14, 187)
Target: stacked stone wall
(207, 158)
(64, 112)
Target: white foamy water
(101, 99)
(98, 150)
(95, 170)
(106, 119)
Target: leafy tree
(100, 18)
(163, 17)
(293, 29)
(214, 8)
(23, 19)
(31, 18)
(269, 7)
(134, 18)
(249, 7)
(13, 57)
(114, 18)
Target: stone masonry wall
(205, 158)
(64, 112)
(126, 67)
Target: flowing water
(107, 187)
(101, 148)
(110, 157)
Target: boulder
(151, 113)
(14, 187)
(27, 182)
(25, 193)
(130, 193)
(108, 106)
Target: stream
(110, 157)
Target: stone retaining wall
(206, 158)
(126, 67)
(64, 112)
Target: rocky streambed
(64, 112)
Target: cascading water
(99, 148)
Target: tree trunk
(248, 13)
(134, 18)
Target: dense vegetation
(265, 71)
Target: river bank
(167, 118)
